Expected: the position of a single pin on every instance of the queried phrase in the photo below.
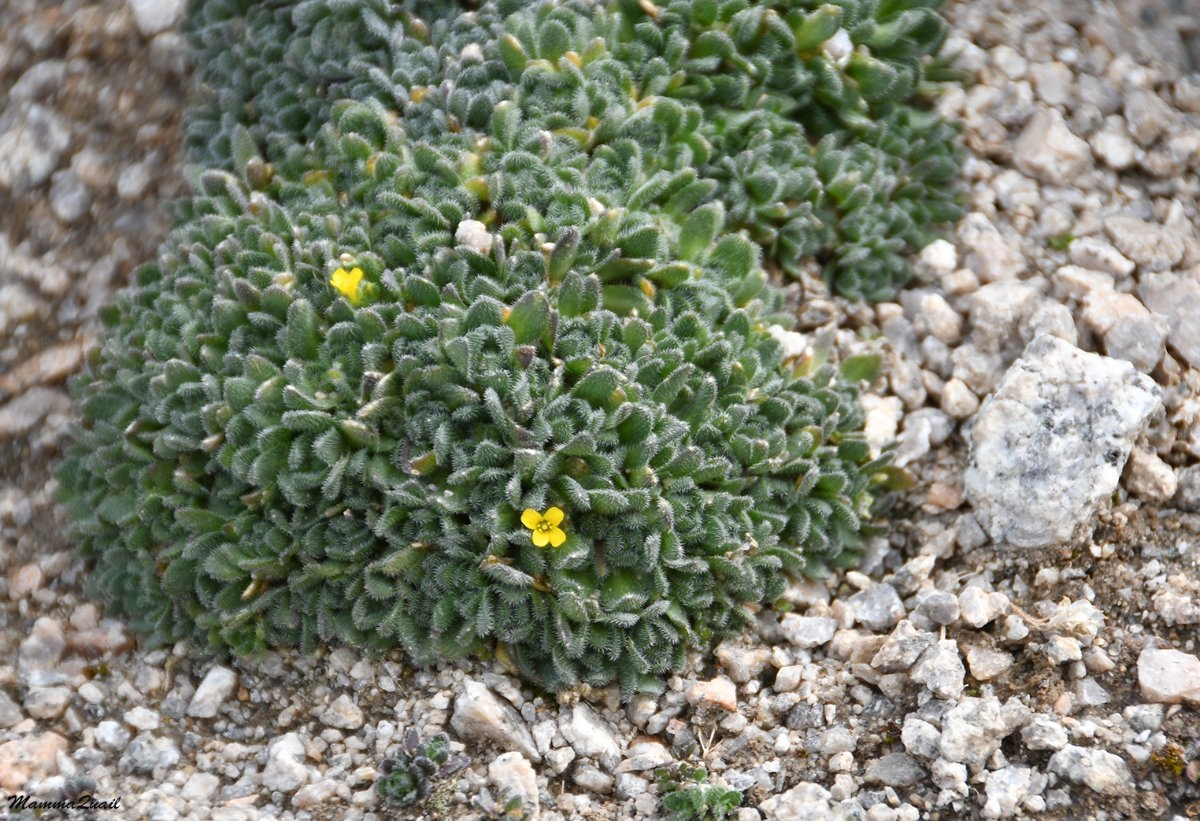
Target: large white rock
(975, 727)
(511, 774)
(480, 716)
(1169, 676)
(587, 734)
(218, 685)
(153, 16)
(285, 770)
(803, 801)
(1048, 447)
(1177, 298)
(1049, 151)
(32, 141)
(1104, 772)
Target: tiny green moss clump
(688, 796)
(411, 776)
(463, 343)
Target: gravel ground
(1020, 643)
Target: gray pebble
(937, 606)
(1104, 772)
(640, 708)
(1144, 717)
(837, 740)
(1187, 494)
(878, 607)
(895, 770)
(1048, 446)
(1168, 676)
(285, 770)
(941, 670)
(592, 779)
(986, 664)
(10, 711)
(69, 197)
(343, 714)
(32, 140)
(42, 648)
(902, 648)
(479, 715)
(978, 607)
(740, 662)
(975, 727)
(153, 16)
(1146, 114)
(1176, 297)
(142, 718)
(217, 685)
(18, 416)
(1090, 693)
(17, 305)
(39, 81)
(1044, 733)
(1006, 789)
(807, 631)
(147, 753)
(1151, 246)
(134, 181)
(47, 702)
(200, 787)
(805, 800)
(921, 738)
(111, 735)
(1049, 151)
(591, 737)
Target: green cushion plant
(462, 343)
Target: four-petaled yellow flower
(348, 283)
(546, 530)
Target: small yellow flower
(348, 283)
(546, 530)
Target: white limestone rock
(1104, 772)
(975, 727)
(511, 774)
(1168, 676)
(285, 770)
(802, 802)
(591, 737)
(218, 685)
(479, 715)
(153, 16)
(1048, 447)
(1177, 298)
(1149, 477)
(1049, 151)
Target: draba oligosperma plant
(413, 773)
(464, 346)
(810, 121)
(687, 795)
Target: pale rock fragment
(1048, 447)
(1152, 247)
(1168, 676)
(1177, 298)
(479, 715)
(1149, 477)
(1100, 770)
(1049, 151)
(1095, 254)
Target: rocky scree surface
(972, 667)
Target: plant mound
(463, 342)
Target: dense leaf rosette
(509, 276)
